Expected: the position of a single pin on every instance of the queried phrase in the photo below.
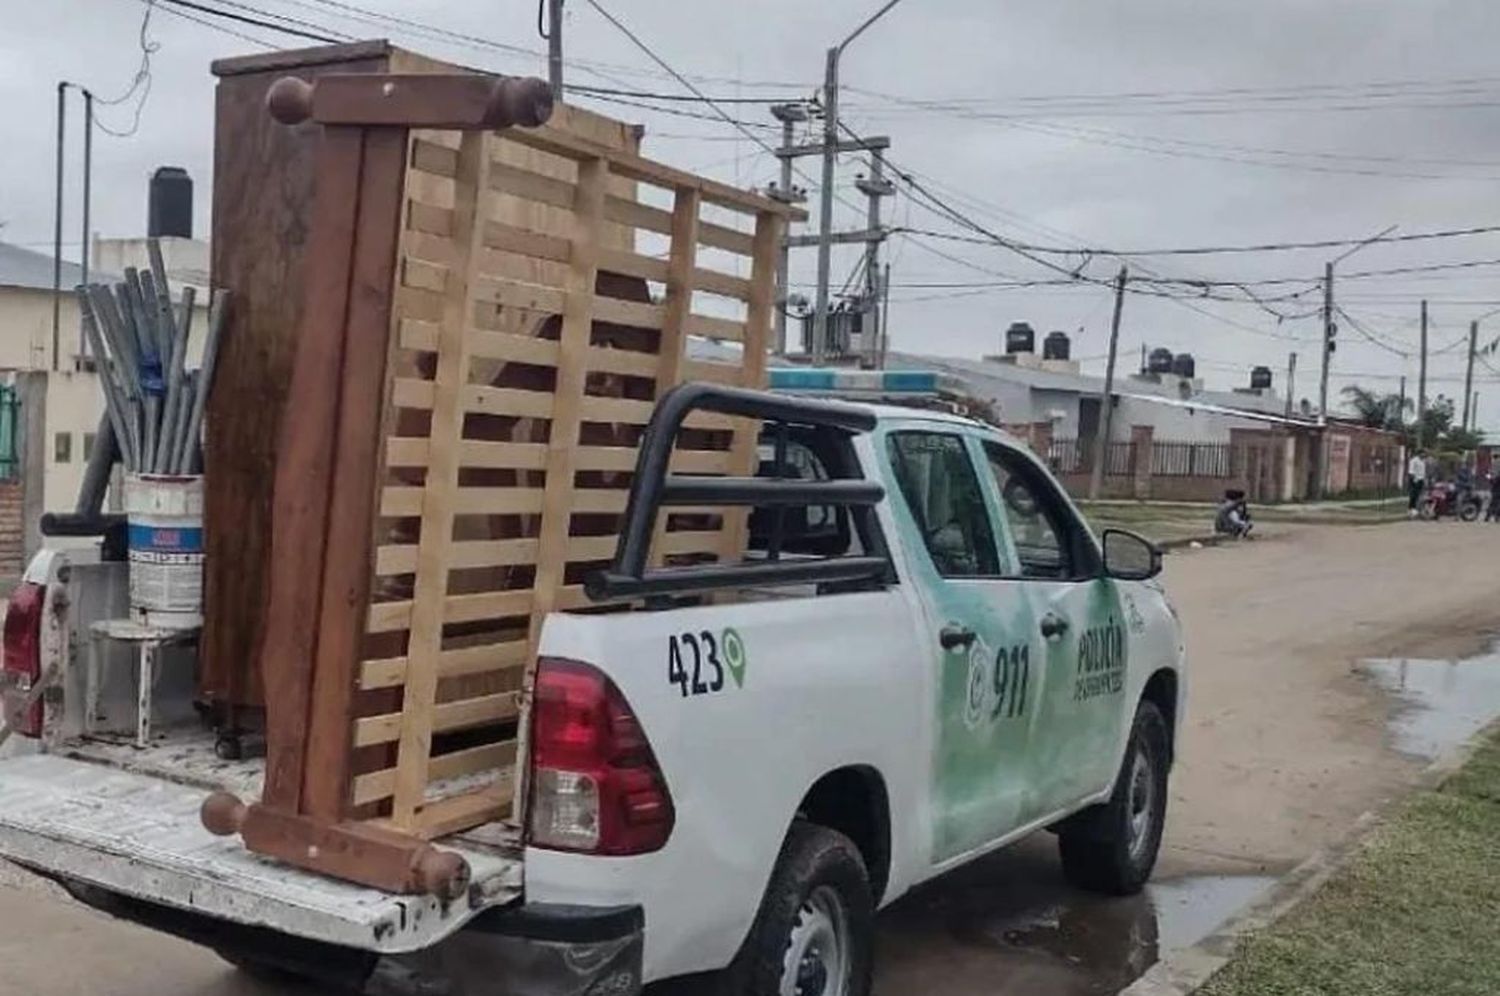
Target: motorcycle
(1445, 499)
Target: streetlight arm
(868, 21)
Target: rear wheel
(1428, 509)
(1469, 512)
(814, 934)
(1112, 847)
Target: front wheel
(1428, 509)
(1469, 512)
(814, 934)
(1112, 847)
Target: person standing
(1492, 513)
(1416, 481)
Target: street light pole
(825, 207)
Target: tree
(1378, 411)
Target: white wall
(74, 404)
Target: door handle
(952, 637)
(1053, 626)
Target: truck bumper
(521, 950)
(527, 950)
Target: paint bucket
(164, 515)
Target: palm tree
(1379, 411)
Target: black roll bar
(652, 488)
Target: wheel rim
(1140, 804)
(817, 956)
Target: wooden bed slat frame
(466, 401)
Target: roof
(25, 268)
(1207, 406)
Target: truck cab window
(1040, 527)
(937, 479)
(811, 530)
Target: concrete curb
(1184, 972)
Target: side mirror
(1130, 557)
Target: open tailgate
(140, 835)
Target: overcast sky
(1188, 123)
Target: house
(1170, 438)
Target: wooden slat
(638, 314)
(445, 816)
(634, 412)
(419, 714)
(523, 242)
(412, 452)
(423, 275)
(757, 334)
(408, 392)
(385, 728)
(402, 558)
(714, 282)
(605, 501)
(387, 617)
(507, 401)
(563, 436)
(634, 214)
(379, 785)
(628, 362)
(398, 501)
(633, 264)
(685, 541)
(716, 328)
(726, 238)
(516, 294)
(622, 459)
(510, 179)
(647, 171)
(514, 348)
(386, 672)
(428, 218)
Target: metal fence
(1169, 459)
(1075, 456)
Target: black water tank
(1260, 378)
(169, 208)
(1020, 338)
(1183, 365)
(1160, 361)
(1056, 346)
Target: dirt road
(1284, 745)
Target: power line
(673, 97)
(259, 22)
(221, 28)
(1215, 250)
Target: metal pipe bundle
(153, 405)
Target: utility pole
(1401, 411)
(1469, 372)
(1422, 386)
(830, 152)
(555, 48)
(88, 171)
(787, 193)
(1475, 410)
(1320, 481)
(1291, 380)
(874, 187)
(1106, 403)
(57, 220)
(885, 316)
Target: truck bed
(126, 820)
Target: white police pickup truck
(926, 656)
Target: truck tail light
(23, 651)
(595, 783)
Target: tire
(1469, 511)
(1427, 510)
(1111, 848)
(818, 905)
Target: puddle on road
(1440, 703)
(1009, 925)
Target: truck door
(1078, 667)
(979, 638)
